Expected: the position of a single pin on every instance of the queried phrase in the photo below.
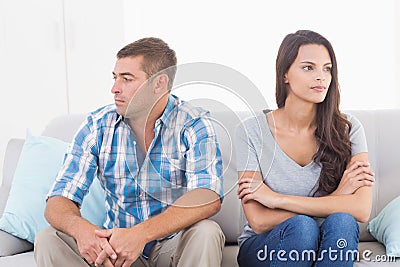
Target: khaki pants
(201, 244)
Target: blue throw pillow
(386, 227)
(41, 158)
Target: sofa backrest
(382, 131)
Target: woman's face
(309, 77)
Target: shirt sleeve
(79, 167)
(246, 146)
(357, 136)
(203, 157)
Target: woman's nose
(320, 76)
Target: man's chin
(121, 112)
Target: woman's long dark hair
(332, 132)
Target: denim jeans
(299, 241)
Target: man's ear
(161, 84)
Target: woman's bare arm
(354, 196)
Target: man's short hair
(158, 57)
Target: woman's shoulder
(357, 135)
(254, 121)
(354, 121)
(254, 127)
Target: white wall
(94, 32)
(245, 35)
(397, 45)
(32, 51)
(56, 57)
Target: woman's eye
(307, 67)
(328, 69)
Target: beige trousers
(201, 244)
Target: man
(159, 162)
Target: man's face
(129, 80)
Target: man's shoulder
(189, 111)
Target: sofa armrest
(4, 190)
(11, 157)
(11, 245)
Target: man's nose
(116, 89)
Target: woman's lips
(318, 88)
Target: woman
(304, 176)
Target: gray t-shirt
(258, 151)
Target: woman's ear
(285, 79)
(161, 83)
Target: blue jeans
(299, 241)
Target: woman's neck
(296, 116)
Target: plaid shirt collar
(165, 118)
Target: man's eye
(127, 79)
(114, 78)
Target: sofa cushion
(11, 245)
(40, 160)
(386, 227)
(24, 259)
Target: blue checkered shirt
(183, 155)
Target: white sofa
(382, 131)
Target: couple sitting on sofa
(304, 176)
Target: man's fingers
(119, 262)
(103, 233)
(109, 250)
(87, 258)
(127, 264)
(106, 250)
(90, 257)
(101, 258)
(108, 263)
